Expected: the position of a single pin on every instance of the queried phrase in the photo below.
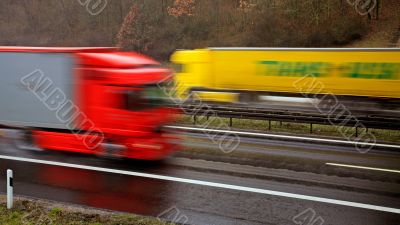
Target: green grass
(54, 212)
(10, 217)
(285, 127)
(32, 213)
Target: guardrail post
(311, 129)
(194, 119)
(269, 124)
(10, 191)
(230, 121)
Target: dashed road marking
(363, 167)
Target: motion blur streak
(252, 134)
(210, 184)
(255, 72)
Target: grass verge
(32, 212)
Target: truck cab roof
(123, 60)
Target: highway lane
(200, 204)
(204, 204)
(297, 154)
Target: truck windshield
(148, 96)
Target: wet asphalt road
(301, 171)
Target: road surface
(262, 182)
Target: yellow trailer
(229, 74)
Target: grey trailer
(19, 105)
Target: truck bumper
(152, 147)
(155, 148)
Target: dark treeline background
(158, 27)
(59, 23)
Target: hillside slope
(158, 27)
(384, 32)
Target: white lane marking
(363, 167)
(209, 184)
(289, 99)
(285, 137)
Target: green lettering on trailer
(387, 71)
(293, 69)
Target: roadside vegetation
(159, 27)
(241, 23)
(29, 212)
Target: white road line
(363, 167)
(209, 184)
(284, 137)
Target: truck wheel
(248, 98)
(24, 140)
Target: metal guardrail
(357, 121)
(285, 137)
